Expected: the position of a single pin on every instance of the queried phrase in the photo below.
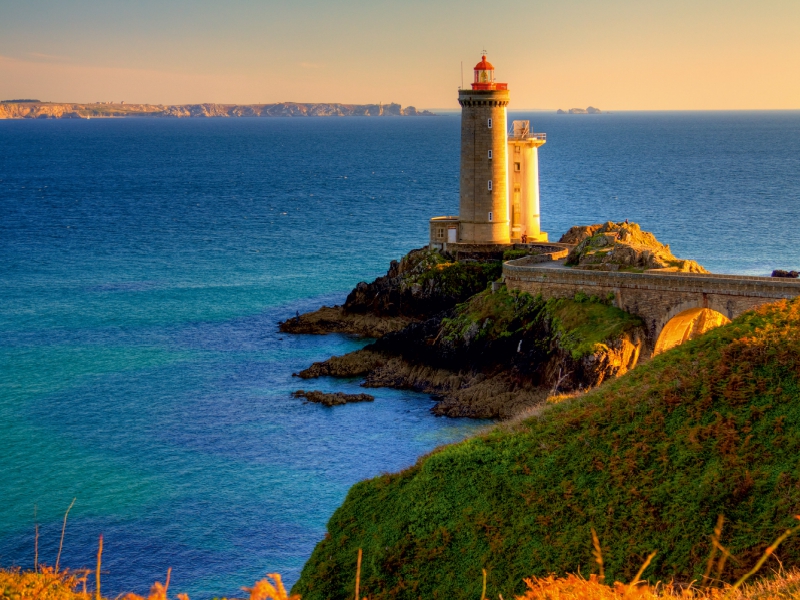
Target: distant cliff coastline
(580, 111)
(55, 110)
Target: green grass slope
(649, 460)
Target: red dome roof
(484, 65)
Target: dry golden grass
(780, 586)
(49, 585)
(46, 584)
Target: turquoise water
(144, 265)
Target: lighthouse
(499, 176)
(483, 198)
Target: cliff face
(48, 110)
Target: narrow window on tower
(490, 123)
(490, 217)
(517, 149)
(517, 166)
(490, 155)
(490, 185)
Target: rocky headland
(481, 350)
(57, 110)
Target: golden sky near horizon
(613, 54)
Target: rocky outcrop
(622, 246)
(51, 110)
(354, 364)
(334, 399)
(334, 319)
(787, 274)
(577, 233)
(423, 283)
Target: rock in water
(334, 399)
(782, 273)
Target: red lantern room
(484, 77)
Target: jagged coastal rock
(421, 284)
(335, 319)
(622, 246)
(332, 399)
(54, 110)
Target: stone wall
(656, 298)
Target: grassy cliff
(648, 460)
(579, 325)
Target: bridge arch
(683, 324)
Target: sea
(145, 264)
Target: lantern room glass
(484, 75)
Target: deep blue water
(144, 265)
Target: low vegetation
(581, 325)
(649, 461)
(585, 324)
(493, 316)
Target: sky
(612, 54)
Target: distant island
(591, 110)
(34, 109)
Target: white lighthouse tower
(523, 182)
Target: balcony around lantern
(540, 137)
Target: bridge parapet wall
(654, 297)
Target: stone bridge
(674, 306)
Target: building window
(490, 185)
(440, 233)
(517, 166)
(490, 217)
(490, 123)
(517, 149)
(490, 155)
